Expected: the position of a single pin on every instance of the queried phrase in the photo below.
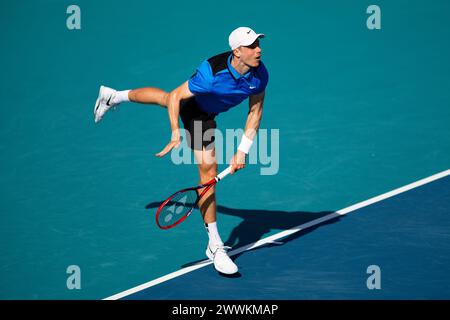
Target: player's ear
(237, 52)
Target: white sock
(121, 96)
(213, 234)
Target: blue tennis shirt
(217, 86)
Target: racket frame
(205, 186)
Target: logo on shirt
(251, 87)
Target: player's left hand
(238, 161)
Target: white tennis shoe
(222, 262)
(104, 102)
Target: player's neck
(239, 66)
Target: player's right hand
(175, 141)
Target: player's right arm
(199, 83)
(173, 109)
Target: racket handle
(223, 174)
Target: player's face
(251, 55)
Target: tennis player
(220, 83)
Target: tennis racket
(180, 205)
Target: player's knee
(207, 172)
(165, 99)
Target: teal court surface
(362, 177)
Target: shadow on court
(257, 222)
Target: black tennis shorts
(196, 122)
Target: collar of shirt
(236, 75)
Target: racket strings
(177, 207)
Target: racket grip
(224, 173)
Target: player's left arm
(251, 127)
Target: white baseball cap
(243, 36)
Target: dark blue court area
(406, 236)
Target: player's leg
(216, 251)
(197, 124)
(110, 98)
(149, 95)
(207, 168)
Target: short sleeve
(201, 81)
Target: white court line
(283, 234)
